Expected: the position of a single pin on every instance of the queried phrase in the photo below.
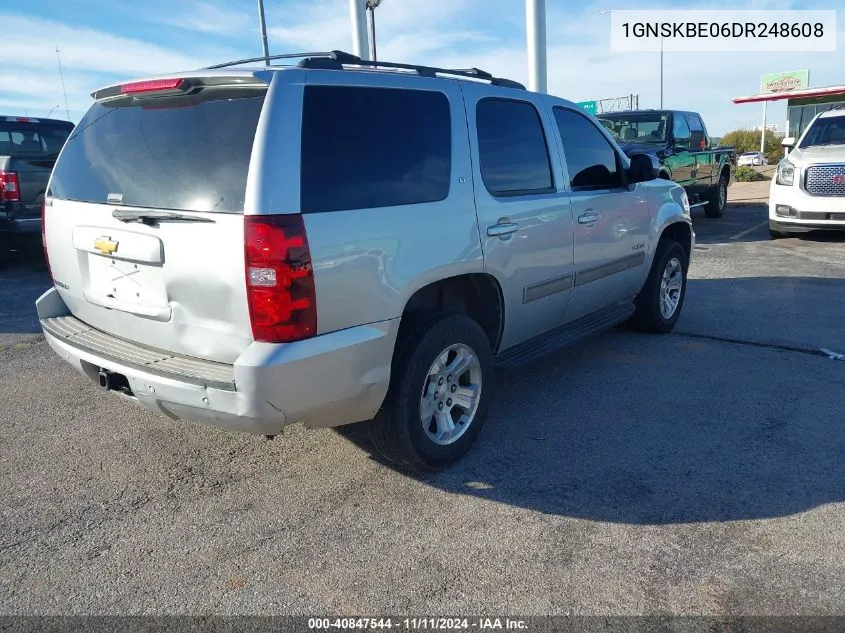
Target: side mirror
(644, 167)
(788, 142)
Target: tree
(749, 141)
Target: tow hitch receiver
(112, 381)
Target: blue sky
(104, 41)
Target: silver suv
(332, 243)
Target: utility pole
(263, 24)
(535, 29)
(661, 72)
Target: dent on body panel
(368, 263)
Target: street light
(661, 56)
(372, 5)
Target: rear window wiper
(150, 217)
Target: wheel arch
(477, 295)
(678, 231)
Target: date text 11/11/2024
(436, 624)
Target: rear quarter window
(186, 153)
(374, 147)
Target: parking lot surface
(699, 472)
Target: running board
(564, 336)
(695, 205)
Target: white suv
(808, 190)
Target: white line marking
(747, 231)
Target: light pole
(357, 22)
(263, 24)
(661, 57)
(535, 32)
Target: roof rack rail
(337, 56)
(336, 60)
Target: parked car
(808, 190)
(752, 159)
(687, 155)
(28, 151)
(333, 244)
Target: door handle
(588, 218)
(503, 229)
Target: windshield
(825, 131)
(637, 128)
(32, 139)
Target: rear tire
(440, 391)
(659, 304)
(718, 201)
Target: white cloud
(90, 59)
(206, 17)
(31, 43)
(488, 34)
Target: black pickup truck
(680, 142)
(28, 150)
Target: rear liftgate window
(186, 153)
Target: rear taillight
(44, 237)
(279, 278)
(10, 190)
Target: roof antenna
(62, 76)
(263, 25)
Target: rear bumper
(329, 380)
(16, 218)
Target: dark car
(28, 150)
(687, 154)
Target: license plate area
(126, 283)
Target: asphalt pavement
(694, 473)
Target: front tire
(718, 201)
(440, 392)
(659, 304)
(777, 235)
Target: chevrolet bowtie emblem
(105, 245)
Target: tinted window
(32, 139)
(694, 123)
(373, 147)
(512, 148)
(680, 129)
(184, 153)
(590, 158)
